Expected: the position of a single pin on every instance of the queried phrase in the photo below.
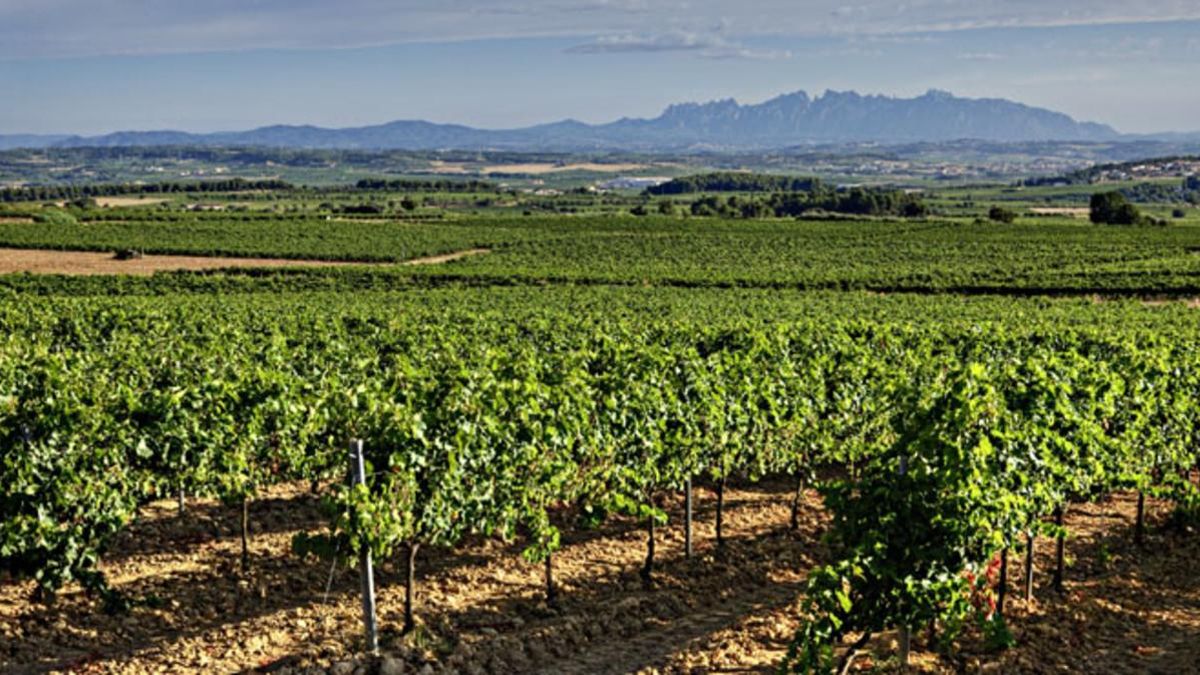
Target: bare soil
(90, 263)
(130, 201)
(446, 257)
(1074, 212)
(1126, 610)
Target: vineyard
(718, 396)
(893, 256)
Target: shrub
(1000, 214)
(363, 209)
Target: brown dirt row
(1074, 212)
(130, 201)
(36, 261)
(446, 257)
(1127, 610)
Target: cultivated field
(877, 416)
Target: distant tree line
(1142, 193)
(1159, 193)
(43, 193)
(410, 185)
(855, 201)
(734, 182)
(1092, 173)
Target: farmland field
(875, 416)
(935, 255)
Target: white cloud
(980, 56)
(706, 45)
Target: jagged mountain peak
(786, 120)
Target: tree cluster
(855, 201)
(735, 182)
(41, 193)
(410, 185)
(1158, 193)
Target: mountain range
(784, 121)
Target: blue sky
(92, 66)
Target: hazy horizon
(94, 68)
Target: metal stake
(905, 631)
(358, 476)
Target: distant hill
(12, 141)
(788, 120)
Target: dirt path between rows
(1127, 609)
(446, 257)
(40, 261)
(653, 648)
(481, 606)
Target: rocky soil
(1126, 609)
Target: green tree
(1113, 208)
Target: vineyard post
(551, 594)
(794, 524)
(182, 495)
(245, 534)
(1029, 565)
(1139, 529)
(648, 567)
(906, 630)
(1003, 582)
(359, 477)
(720, 512)
(1059, 553)
(410, 588)
(687, 518)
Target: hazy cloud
(63, 28)
(980, 56)
(706, 45)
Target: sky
(95, 66)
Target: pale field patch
(34, 261)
